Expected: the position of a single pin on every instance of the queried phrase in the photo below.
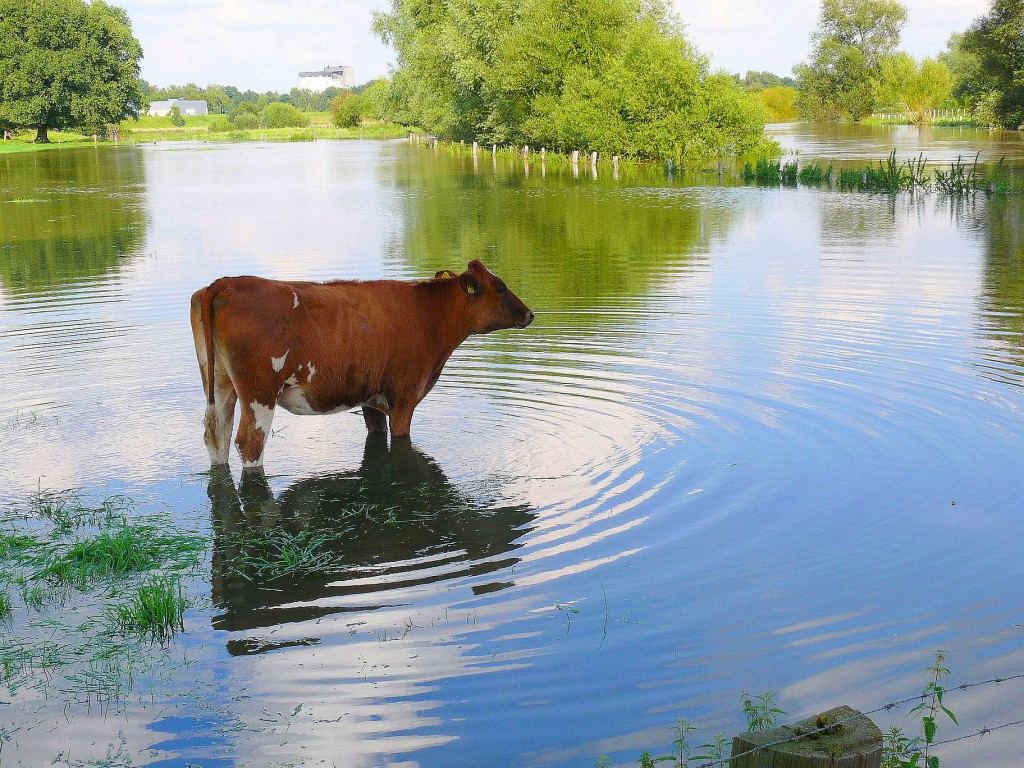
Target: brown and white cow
(315, 348)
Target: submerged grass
(889, 176)
(273, 553)
(119, 580)
(156, 609)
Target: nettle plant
(900, 751)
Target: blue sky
(263, 44)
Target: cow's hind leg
(219, 419)
(253, 429)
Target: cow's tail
(206, 317)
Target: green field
(214, 128)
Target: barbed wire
(830, 727)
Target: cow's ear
(444, 274)
(470, 284)
(477, 266)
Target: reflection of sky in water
(732, 441)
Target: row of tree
(225, 99)
(855, 67)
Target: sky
(263, 44)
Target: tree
(852, 39)
(913, 88)
(345, 109)
(616, 76)
(758, 81)
(997, 40)
(779, 100)
(965, 72)
(66, 64)
(280, 115)
(177, 120)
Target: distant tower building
(328, 77)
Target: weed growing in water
(273, 553)
(129, 548)
(6, 607)
(156, 610)
(961, 179)
(815, 173)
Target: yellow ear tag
(470, 288)
(448, 274)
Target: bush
(345, 110)
(281, 115)
(246, 121)
(177, 120)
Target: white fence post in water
(543, 154)
(476, 148)
(593, 159)
(841, 736)
(526, 152)
(575, 157)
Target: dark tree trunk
(42, 137)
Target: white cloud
(755, 34)
(257, 44)
(263, 44)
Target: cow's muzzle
(527, 319)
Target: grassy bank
(213, 128)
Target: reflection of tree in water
(395, 521)
(1002, 300)
(560, 243)
(68, 215)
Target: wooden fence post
(844, 743)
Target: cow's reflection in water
(394, 522)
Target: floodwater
(757, 439)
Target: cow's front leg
(401, 419)
(376, 421)
(253, 430)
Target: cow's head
(492, 305)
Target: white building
(328, 77)
(161, 108)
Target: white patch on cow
(296, 304)
(379, 402)
(264, 416)
(294, 401)
(277, 363)
(253, 464)
(312, 370)
(291, 381)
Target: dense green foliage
(997, 41)
(759, 81)
(780, 103)
(967, 83)
(851, 41)
(615, 76)
(912, 87)
(279, 115)
(66, 64)
(345, 110)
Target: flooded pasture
(756, 439)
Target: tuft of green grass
(6, 606)
(127, 549)
(156, 610)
